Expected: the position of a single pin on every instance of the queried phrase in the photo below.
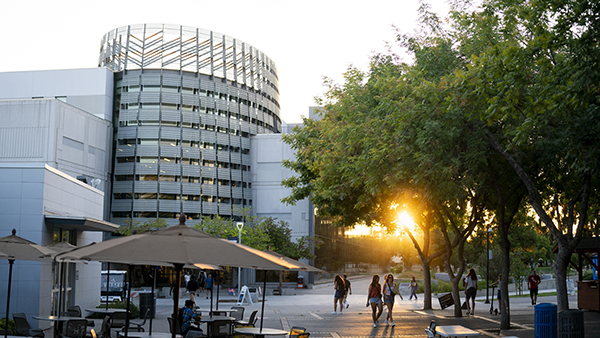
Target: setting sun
(404, 222)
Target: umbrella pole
(128, 300)
(217, 282)
(60, 287)
(10, 263)
(107, 283)
(178, 268)
(152, 305)
(262, 311)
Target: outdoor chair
(131, 329)
(239, 314)
(22, 327)
(76, 311)
(250, 322)
(104, 329)
(75, 328)
(220, 328)
(431, 330)
(139, 325)
(296, 331)
(117, 320)
(174, 326)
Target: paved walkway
(312, 309)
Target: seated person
(188, 316)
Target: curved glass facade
(186, 103)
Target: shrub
(397, 269)
(11, 324)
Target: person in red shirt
(534, 280)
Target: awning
(80, 223)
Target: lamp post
(487, 275)
(239, 226)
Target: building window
(145, 196)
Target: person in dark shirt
(192, 287)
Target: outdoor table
(147, 335)
(258, 333)
(105, 310)
(57, 319)
(228, 312)
(455, 331)
(209, 319)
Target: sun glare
(405, 223)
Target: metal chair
(22, 327)
(239, 313)
(139, 325)
(117, 320)
(174, 326)
(296, 331)
(250, 322)
(75, 328)
(220, 328)
(104, 329)
(76, 311)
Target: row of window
(186, 143)
(192, 91)
(184, 160)
(154, 214)
(199, 126)
(172, 178)
(178, 197)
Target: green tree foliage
(534, 80)
(133, 226)
(260, 233)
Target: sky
(308, 40)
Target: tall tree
(535, 82)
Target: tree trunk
(560, 266)
(426, 285)
(456, 296)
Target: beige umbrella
(302, 266)
(178, 245)
(16, 247)
(3, 255)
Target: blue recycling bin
(545, 320)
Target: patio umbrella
(178, 245)
(22, 249)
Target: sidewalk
(311, 308)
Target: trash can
(545, 320)
(146, 304)
(570, 324)
(300, 282)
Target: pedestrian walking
(413, 288)
(209, 285)
(534, 281)
(470, 284)
(389, 295)
(192, 287)
(374, 299)
(340, 289)
(348, 287)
